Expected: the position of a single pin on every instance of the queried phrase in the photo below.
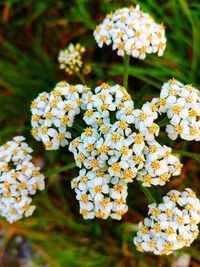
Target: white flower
(53, 114)
(19, 179)
(106, 147)
(159, 165)
(170, 225)
(132, 32)
(182, 105)
(107, 103)
(146, 116)
(70, 59)
(98, 196)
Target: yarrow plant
(70, 58)
(182, 105)
(171, 225)
(131, 31)
(112, 141)
(19, 179)
(53, 114)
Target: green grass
(31, 35)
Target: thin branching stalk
(147, 193)
(60, 169)
(81, 77)
(126, 71)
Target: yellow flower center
(97, 189)
(88, 131)
(155, 165)
(90, 147)
(172, 91)
(179, 129)
(89, 113)
(94, 163)
(155, 212)
(80, 157)
(138, 139)
(84, 198)
(115, 137)
(139, 159)
(147, 179)
(143, 116)
(100, 214)
(118, 188)
(177, 109)
(103, 149)
(116, 166)
(157, 228)
(162, 102)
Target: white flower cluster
(107, 104)
(111, 103)
(119, 150)
(182, 105)
(171, 225)
(19, 179)
(159, 165)
(100, 195)
(70, 58)
(108, 166)
(132, 32)
(53, 113)
(144, 120)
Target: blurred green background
(31, 34)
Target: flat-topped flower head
(107, 148)
(159, 166)
(53, 113)
(19, 179)
(125, 153)
(131, 31)
(171, 225)
(99, 196)
(70, 58)
(182, 105)
(107, 103)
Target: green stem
(60, 169)
(78, 127)
(81, 77)
(163, 122)
(147, 193)
(126, 67)
(195, 156)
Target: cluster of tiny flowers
(159, 165)
(107, 166)
(100, 195)
(70, 59)
(19, 179)
(171, 225)
(108, 103)
(144, 120)
(182, 105)
(53, 113)
(131, 31)
(118, 150)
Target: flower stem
(126, 67)
(147, 193)
(60, 169)
(195, 156)
(163, 122)
(81, 77)
(78, 127)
